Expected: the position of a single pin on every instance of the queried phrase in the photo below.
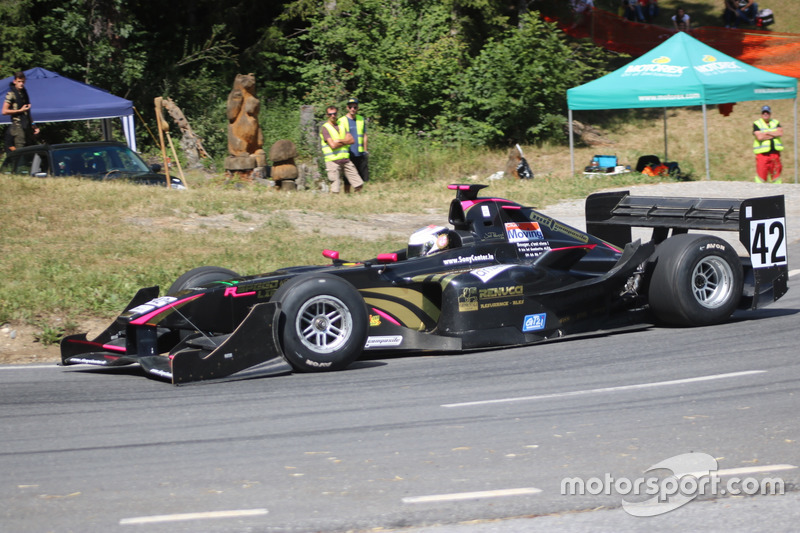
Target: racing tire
(200, 276)
(323, 322)
(696, 280)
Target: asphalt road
(469, 443)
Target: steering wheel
(108, 175)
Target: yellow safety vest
(762, 147)
(337, 134)
(344, 125)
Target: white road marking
(745, 470)
(458, 496)
(27, 367)
(607, 389)
(156, 519)
(794, 272)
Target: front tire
(323, 324)
(696, 280)
(200, 276)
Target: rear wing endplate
(760, 222)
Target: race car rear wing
(760, 222)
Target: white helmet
(428, 240)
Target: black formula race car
(502, 275)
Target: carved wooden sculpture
(245, 139)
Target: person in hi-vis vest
(335, 142)
(767, 146)
(357, 126)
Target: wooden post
(177, 161)
(161, 128)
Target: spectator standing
(633, 10)
(335, 142)
(767, 146)
(650, 9)
(356, 125)
(18, 106)
(681, 21)
(580, 10)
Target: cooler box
(764, 18)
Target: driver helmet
(428, 240)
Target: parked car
(103, 160)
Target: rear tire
(200, 276)
(323, 323)
(696, 280)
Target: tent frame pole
(666, 155)
(795, 140)
(572, 143)
(705, 142)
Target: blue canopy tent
(55, 98)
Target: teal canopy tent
(681, 71)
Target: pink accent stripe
(613, 247)
(589, 246)
(387, 317)
(508, 206)
(144, 319)
(109, 347)
(466, 204)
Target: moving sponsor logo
(523, 232)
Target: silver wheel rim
(712, 282)
(324, 324)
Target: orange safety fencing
(772, 51)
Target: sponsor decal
(262, 289)
(485, 211)
(719, 67)
(161, 373)
(487, 273)
(383, 341)
(468, 299)
(98, 362)
(666, 97)
(779, 90)
(374, 320)
(530, 250)
(523, 232)
(474, 258)
(500, 292)
(316, 364)
(554, 225)
(658, 67)
(152, 305)
(233, 292)
(534, 322)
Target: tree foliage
(451, 71)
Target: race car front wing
(251, 350)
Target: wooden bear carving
(244, 134)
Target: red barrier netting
(771, 51)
